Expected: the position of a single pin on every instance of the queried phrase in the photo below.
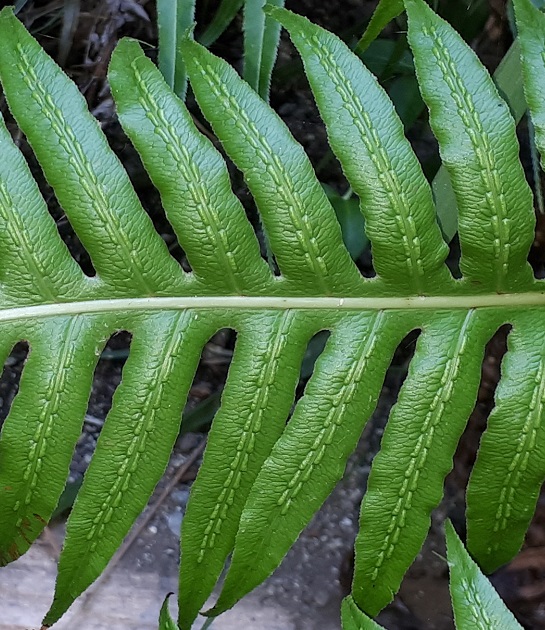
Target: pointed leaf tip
(274, 11)
(475, 602)
(165, 620)
(7, 13)
(353, 618)
(126, 49)
(385, 12)
(286, 18)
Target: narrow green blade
(310, 456)
(385, 12)
(510, 467)
(475, 602)
(90, 184)
(44, 423)
(208, 218)
(479, 149)
(165, 620)
(261, 37)
(407, 475)
(222, 18)
(368, 139)
(256, 402)
(133, 448)
(301, 226)
(174, 17)
(531, 37)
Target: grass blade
(385, 12)
(261, 37)
(223, 17)
(174, 17)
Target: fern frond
(262, 477)
(505, 481)
(475, 602)
(208, 219)
(480, 152)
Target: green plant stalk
(261, 37)
(174, 18)
(222, 18)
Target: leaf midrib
(436, 302)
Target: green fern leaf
(275, 167)
(505, 482)
(367, 137)
(353, 619)
(262, 477)
(478, 146)
(221, 246)
(311, 454)
(475, 602)
(89, 181)
(165, 620)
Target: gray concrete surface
(128, 601)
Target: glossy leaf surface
(354, 619)
(270, 462)
(474, 600)
(165, 620)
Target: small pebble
(174, 522)
(321, 597)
